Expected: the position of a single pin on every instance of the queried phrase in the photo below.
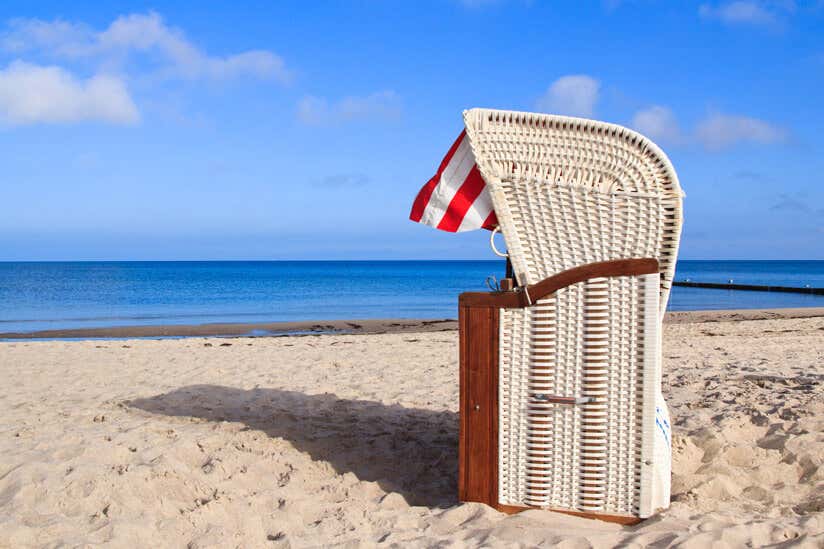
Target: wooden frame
(525, 296)
(479, 331)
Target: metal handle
(555, 399)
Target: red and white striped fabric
(456, 198)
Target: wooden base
(626, 520)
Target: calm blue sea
(54, 295)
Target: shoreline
(366, 326)
(243, 329)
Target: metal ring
(497, 229)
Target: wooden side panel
(626, 520)
(478, 452)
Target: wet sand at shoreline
(367, 326)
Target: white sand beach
(349, 440)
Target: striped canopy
(456, 198)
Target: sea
(38, 296)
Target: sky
(298, 130)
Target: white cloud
(573, 95)
(659, 124)
(714, 132)
(317, 111)
(345, 180)
(313, 111)
(797, 202)
(59, 37)
(31, 94)
(747, 12)
(146, 34)
(719, 131)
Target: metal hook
(497, 229)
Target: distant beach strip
(354, 327)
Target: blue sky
(294, 130)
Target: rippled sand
(352, 439)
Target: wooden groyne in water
(750, 287)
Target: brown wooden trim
(478, 435)
(463, 333)
(548, 286)
(626, 520)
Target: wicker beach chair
(563, 374)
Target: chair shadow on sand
(411, 451)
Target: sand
(351, 440)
